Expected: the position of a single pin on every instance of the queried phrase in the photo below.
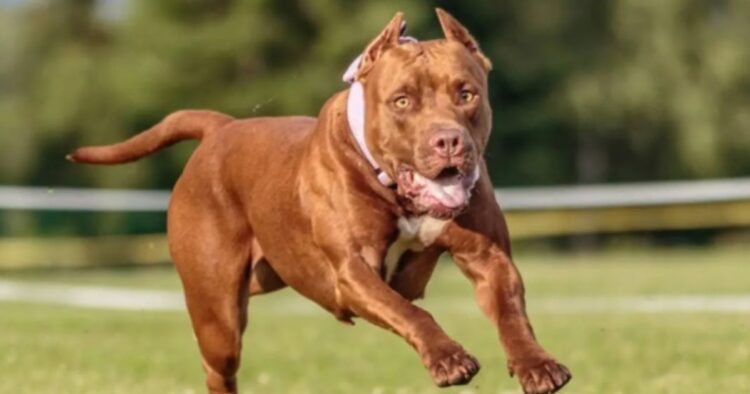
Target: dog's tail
(176, 127)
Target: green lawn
(57, 349)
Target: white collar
(355, 114)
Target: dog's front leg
(500, 295)
(361, 290)
(478, 242)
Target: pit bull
(351, 209)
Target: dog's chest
(415, 234)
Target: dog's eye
(401, 102)
(466, 96)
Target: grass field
(291, 347)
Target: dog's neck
(335, 147)
(355, 111)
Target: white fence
(531, 213)
(512, 199)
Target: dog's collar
(355, 111)
(355, 114)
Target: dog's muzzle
(442, 197)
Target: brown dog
(269, 202)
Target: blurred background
(620, 150)
(583, 91)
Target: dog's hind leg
(212, 257)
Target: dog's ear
(386, 39)
(454, 30)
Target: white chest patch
(415, 234)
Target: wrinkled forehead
(433, 62)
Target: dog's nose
(447, 143)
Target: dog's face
(428, 115)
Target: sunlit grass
(54, 349)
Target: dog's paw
(540, 375)
(451, 365)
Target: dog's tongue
(449, 192)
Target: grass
(54, 349)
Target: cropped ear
(387, 38)
(454, 30)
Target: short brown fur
(266, 203)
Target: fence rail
(73, 199)
(624, 194)
(531, 213)
(511, 199)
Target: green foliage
(583, 91)
(668, 93)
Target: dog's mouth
(443, 196)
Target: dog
(351, 209)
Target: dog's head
(428, 115)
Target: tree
(582, 90)
(667, 93)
